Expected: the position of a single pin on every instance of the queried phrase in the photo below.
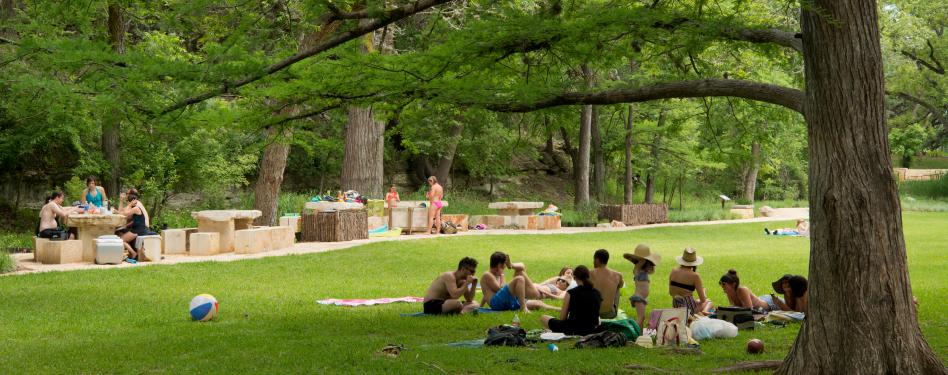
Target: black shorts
(433, 307)
(54, 234)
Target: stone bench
(515, 208)
(411, 216)
(175, 241)
(151, 249)
(58, 252)
(531, 222)
(261, 239)
(204, 243)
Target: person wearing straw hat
(684, 281)
(645, 261)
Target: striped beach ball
(203, 307)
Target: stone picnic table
(515, 208)
(225, 222)
(90, 227)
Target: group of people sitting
(592, 294)
(94, 200)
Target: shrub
(7, 263)
(928, 189)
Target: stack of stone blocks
(519, 214)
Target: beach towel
(367, 302)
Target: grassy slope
(135, 320)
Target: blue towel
(480, 310)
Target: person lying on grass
(684, 281)
(566, 273)
(742, 296)
(580, 313)
(607, 282)
(513, 295)
(644, 260)
(802, 229)
(444, 294)
(794, 291)
(554, 290)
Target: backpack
(447, 227)
(628, 327)
(504, 335)
(604, 339)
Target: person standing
(392, 198)
(645, 261)
(434, 195)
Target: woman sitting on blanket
(794, 291)
(741, 296)
(580, 313)
(802, 229)
(684, 281)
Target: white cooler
(109, 249)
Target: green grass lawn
(135, 320)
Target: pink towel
(367, 302)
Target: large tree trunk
(750, 178)
(447, 158)
(7, 11)
(112, 127)
(362, 162)
(655, 153)
(266, 191)
(861, 317)
(599, 164)
(581, 166)
(629, 180)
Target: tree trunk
(112, 127)
(364, 153)
(750, 178)
(447, 158)
(266, 191)
(581, 167)
(857, 243)
(599, 164)
(649, 189)
(7, 11)
(654, 151)
(629, 180)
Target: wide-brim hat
(643, 252)
(778, 285)
(689, 258)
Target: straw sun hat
(689, 258)
(642, 251)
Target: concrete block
(61, 252)
(204, 243)
(175, 241)
(151, 249)
(249, 241)
(282, 237)
(38, 244)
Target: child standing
(645, 262)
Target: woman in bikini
(555, 289)
(644, 261)
(684, 281)
(434, 205)
(742, 296)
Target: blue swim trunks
(503, 300)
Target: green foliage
(909, 141)
(933, 189)
(73, 189)
(7, 263)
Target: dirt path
(28, 264)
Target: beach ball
(203, 307)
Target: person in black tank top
(580, 314)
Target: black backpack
(604, 339)
(504, 335)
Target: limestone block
(60, 252)
(175, 241)
(521, 221)
(460, 220)
(282, 237)
(533, 222)
(550, 222)
(743, 211)
(38, 244)
(249, 241)
(292, 222)
(495, 221)
(766, 211)
(151, 249)
(204, 243)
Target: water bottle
(516, 321)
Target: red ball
(755, 346)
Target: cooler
(109, 249)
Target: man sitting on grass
(444, 294)
(513, 295)
(607, 282)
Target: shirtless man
(444, 294)
(434, 204)
(514, 295)
(48, 227)
(607, 282)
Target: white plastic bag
(707, 328)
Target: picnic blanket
(480, 310)
(367, 302)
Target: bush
(7, 263)
(935, 189)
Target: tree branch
(384, 19)
(938, 114)
(936, 67)
(764, 92)
(778, 37)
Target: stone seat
(59, 252)
(204, 243)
